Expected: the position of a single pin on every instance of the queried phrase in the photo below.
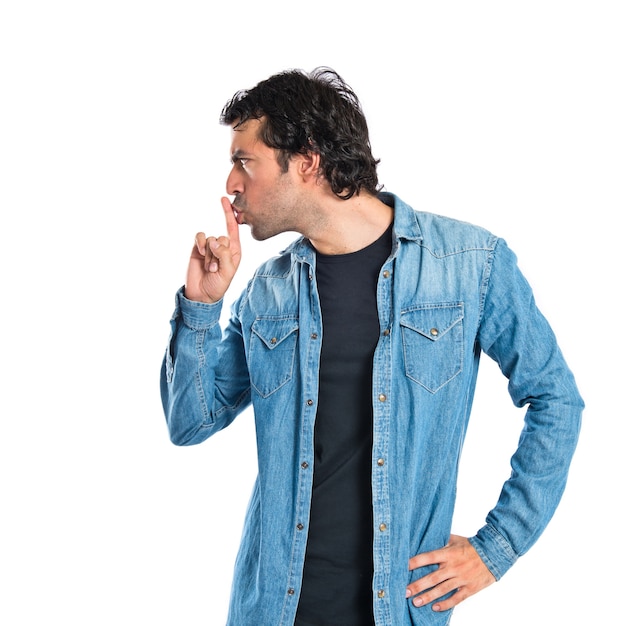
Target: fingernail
(408, 593)
(418, 602)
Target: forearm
(539, 470)
(196, 405)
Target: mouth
(238, 215)
(237, 206)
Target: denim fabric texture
(449, 292)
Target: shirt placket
(311, 333)
(382, 402)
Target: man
(358, 348)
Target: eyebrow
(239, 154)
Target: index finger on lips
(232, 226)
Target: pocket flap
(432, 321)
(273, 331)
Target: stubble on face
(268, 197)
(278, 210)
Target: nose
(234, 184)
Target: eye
(238, 160)
(241, 162)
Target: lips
(238, 215)
(237, 212)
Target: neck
(350, 225)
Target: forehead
(245, 137)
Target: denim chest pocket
(272, 352)
(432, 343)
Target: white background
(505, 114)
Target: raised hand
(214, 261)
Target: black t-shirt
(337, 583)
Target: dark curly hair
(315, 112)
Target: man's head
(311, 113)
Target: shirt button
(386, 274)
(382, 397)
(314, 336)
(300, 526)
(291, 591)
(386, 332)
(382, 528)
(380, 462)
(309, 402)
(273, 340)
(434, 332)
(381, 593)
(304, 465)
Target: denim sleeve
(204, 379)
(518, 337)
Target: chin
(260, 235)
(257, 236)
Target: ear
(307, 165)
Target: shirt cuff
(495, 551)
(197, 315)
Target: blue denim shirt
(448, 292)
